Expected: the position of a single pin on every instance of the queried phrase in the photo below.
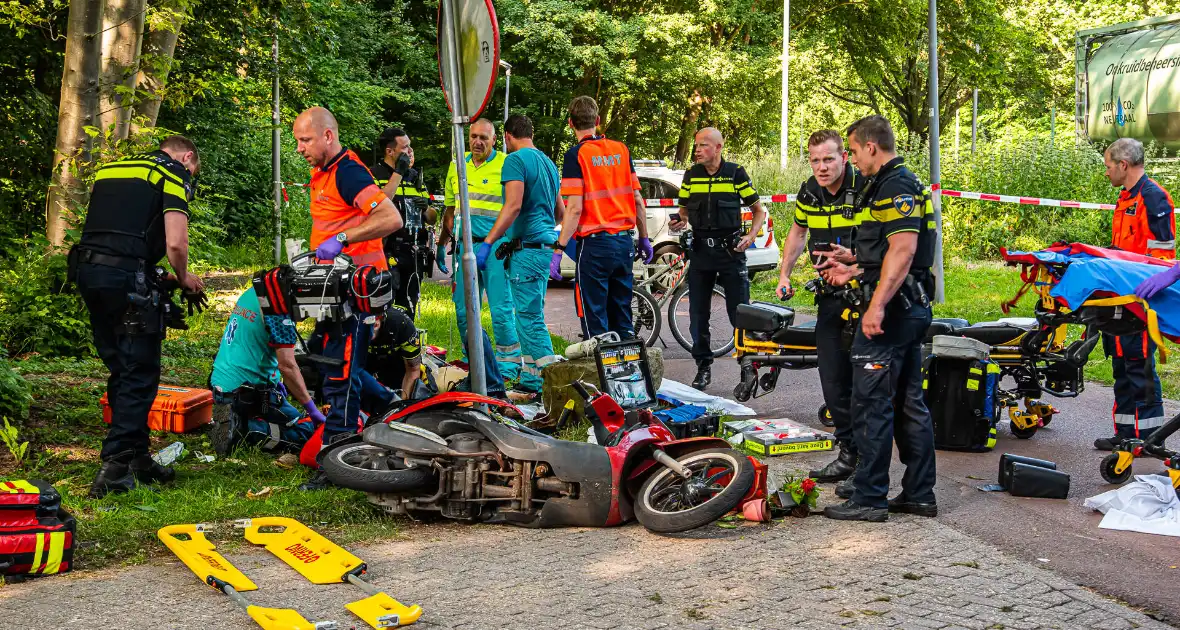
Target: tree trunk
(78, 108)
(688, 126)
(121, 40)
(159, 49)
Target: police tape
(959, 194)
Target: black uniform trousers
(708, 267)
(888, 405)
(835, 365)
(132, 359)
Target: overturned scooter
(444, 456)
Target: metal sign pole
(935, 168)
(507, 86)
(470, 280)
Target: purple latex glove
(646, 249)
(481, 256)
(329, 249)
(555, 266)
(1158, 282)
(314, 412)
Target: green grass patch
(65, 430)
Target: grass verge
(65, 432)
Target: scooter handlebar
(580, 387)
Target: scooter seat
(802, 335)
(1004, 332)
(763, 317)
(945, 326)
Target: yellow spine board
(198, 554)
(316, 558)
(383, 611)
(279, 619)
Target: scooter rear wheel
(668, 503)
(366, 467)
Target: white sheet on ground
(690, 396)
(1147, 505)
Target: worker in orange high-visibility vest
(350, 215)
(1144, 223)
(603, 205)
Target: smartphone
(675, 216)
(821, 247)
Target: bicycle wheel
(721, 331)
(645, 316)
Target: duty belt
(507, 248)
(126, 263)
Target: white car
(660, 182)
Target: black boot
(845, 488)
(849, 511)
(147, 471)
(114, 476)
(703, 378)
(318, 481)
(838, 469)
(904, 506)
(1107, 443)
(227, 431)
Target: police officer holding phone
(894, 253)
(825, 210)
(711, 198)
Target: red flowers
(808, 485)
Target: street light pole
(784, 141)
(935, 169)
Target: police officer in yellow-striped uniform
(825, 211)
(712, 195)
(485, 192)
(138, 213)
(408, 250)
(894, 250)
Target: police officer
(349, 215)
(712, 195)
(1144, 223)
(894, 252)
(138, 213)
(825, 211)
(486, 196)
(603, 205)
(408, 250)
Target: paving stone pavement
(799, 573)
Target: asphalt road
(1140, 569)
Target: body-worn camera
(333, 291)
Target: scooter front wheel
(371, 469)
(668, 503)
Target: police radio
(327, 292)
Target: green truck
(1128, 82)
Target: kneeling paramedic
(894, 252)
(712, 195)
(395, 356)
(531, 201)
(1144, 223)
(825, 212)
(253, 371)
(138, 212)
(350, 215)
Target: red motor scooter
(446, 456)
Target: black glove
(197, 302)
(403, 165)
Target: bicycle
(646, 307)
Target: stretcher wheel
(825, 416)
(1023, 434)
(744, 390)
(1107, 469)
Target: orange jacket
(343, 194)
(1145, 220)
(601, 173)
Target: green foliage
(10, 436)
(39, 311)
(15, 396)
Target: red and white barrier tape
(961, 194)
